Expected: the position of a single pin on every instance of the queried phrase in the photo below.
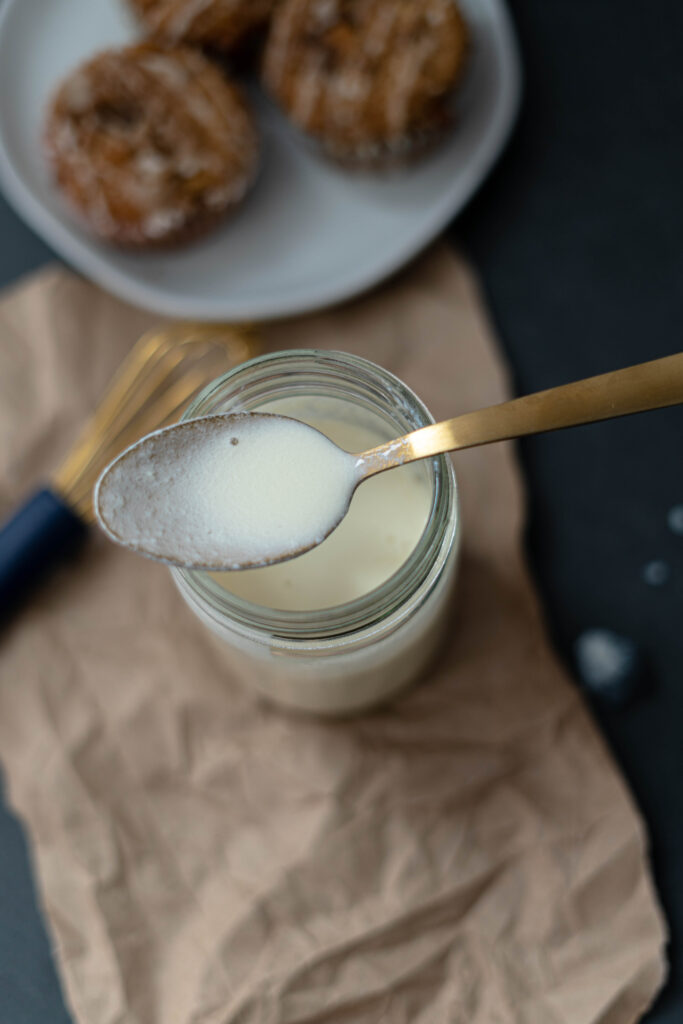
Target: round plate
(309, 235)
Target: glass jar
(346, 658)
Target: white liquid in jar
(385, 521)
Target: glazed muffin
(371, 80)
(218, 24)
(152, 145)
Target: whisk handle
(33, 541)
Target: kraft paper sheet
(469, 855)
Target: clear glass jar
(346, 658)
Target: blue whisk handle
(39, 535)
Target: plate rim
(154, 299)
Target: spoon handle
(650, 385)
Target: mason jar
(329, 649)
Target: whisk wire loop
(162, 372)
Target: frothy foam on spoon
(226, 492)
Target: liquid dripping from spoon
(227, 492)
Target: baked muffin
(371, 80)
(151, 144)
(217, 24)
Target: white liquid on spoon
(227, 492)
(385, 521)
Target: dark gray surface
(578, 237)
(20, 250)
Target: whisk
(163, 371)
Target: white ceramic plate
(308, 236)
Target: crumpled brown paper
(469, 854)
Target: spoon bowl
(226, 492)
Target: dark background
(578, 237)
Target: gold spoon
(304, 482)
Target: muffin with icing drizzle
(151, 144)
(370, 80)
(217, 24)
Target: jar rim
(379, 603)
